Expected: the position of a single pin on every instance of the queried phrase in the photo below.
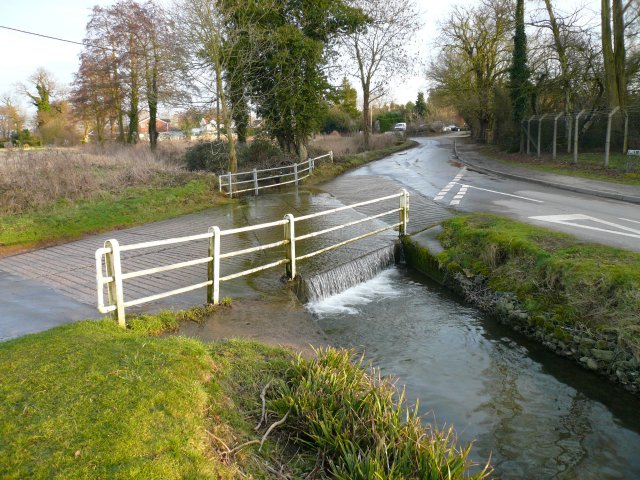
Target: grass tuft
(361, 424)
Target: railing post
(213, 267)
(230, 185)
(522, 136)
(607, 142)
(575, 138)
(529, 135)
(290, 236)
(404, 212)
(331, 155)
(255, 182)
(311, 165)
(114, 288)
(295, 173)
(220, 183)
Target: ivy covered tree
(289, 83)
(519, 72)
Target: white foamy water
(379, 288)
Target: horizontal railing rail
(109, 260)
(285, 175)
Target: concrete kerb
(562, 186)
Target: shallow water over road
(537, 415)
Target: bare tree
(474, 58)
(378, 52)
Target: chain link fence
(607, 138)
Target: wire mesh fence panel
(604, 136)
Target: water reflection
(536, 414)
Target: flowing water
(535, 414)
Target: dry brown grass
(349, 145)
(35, 179)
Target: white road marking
(442, 193)
(569, 219)
(629, 220)
(454, 202)
(507, 194)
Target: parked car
(452, 128)
(400, 127)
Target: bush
(209, 156)
(261, 154)
(214, 156)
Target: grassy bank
(590, 165)
(90, 400)
(558, 279)
(326, 171)
(70, 219)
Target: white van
(400, 127)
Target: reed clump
(361, 425)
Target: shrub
(262, 154)
(209, 156)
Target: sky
(21, 55)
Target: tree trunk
(152, 98)
(366, 116)
(619, 53)
(607, 54)
(233, 159)
(134, 94)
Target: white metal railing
(109, 260)
(254, 181)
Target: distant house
(162, 125)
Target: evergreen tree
(421, 105)
(519, 71)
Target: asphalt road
(432, 170)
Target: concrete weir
(335, 280)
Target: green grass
(590, 165)
(551, 273)
(91, 400)
(69, 220)
(326, 171)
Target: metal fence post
(529, 134)
(568, 123)
(311, 165)
(220, 183)
(404, 212)
(607, 142)
(213, 267)
(295, 173)
(555, 134)
(575, 138)
(255, 182)
(290, 236)
(540, 133)
(114, 288)
(522, 136)
(625, 140)
(230, 185)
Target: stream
(533, 413)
